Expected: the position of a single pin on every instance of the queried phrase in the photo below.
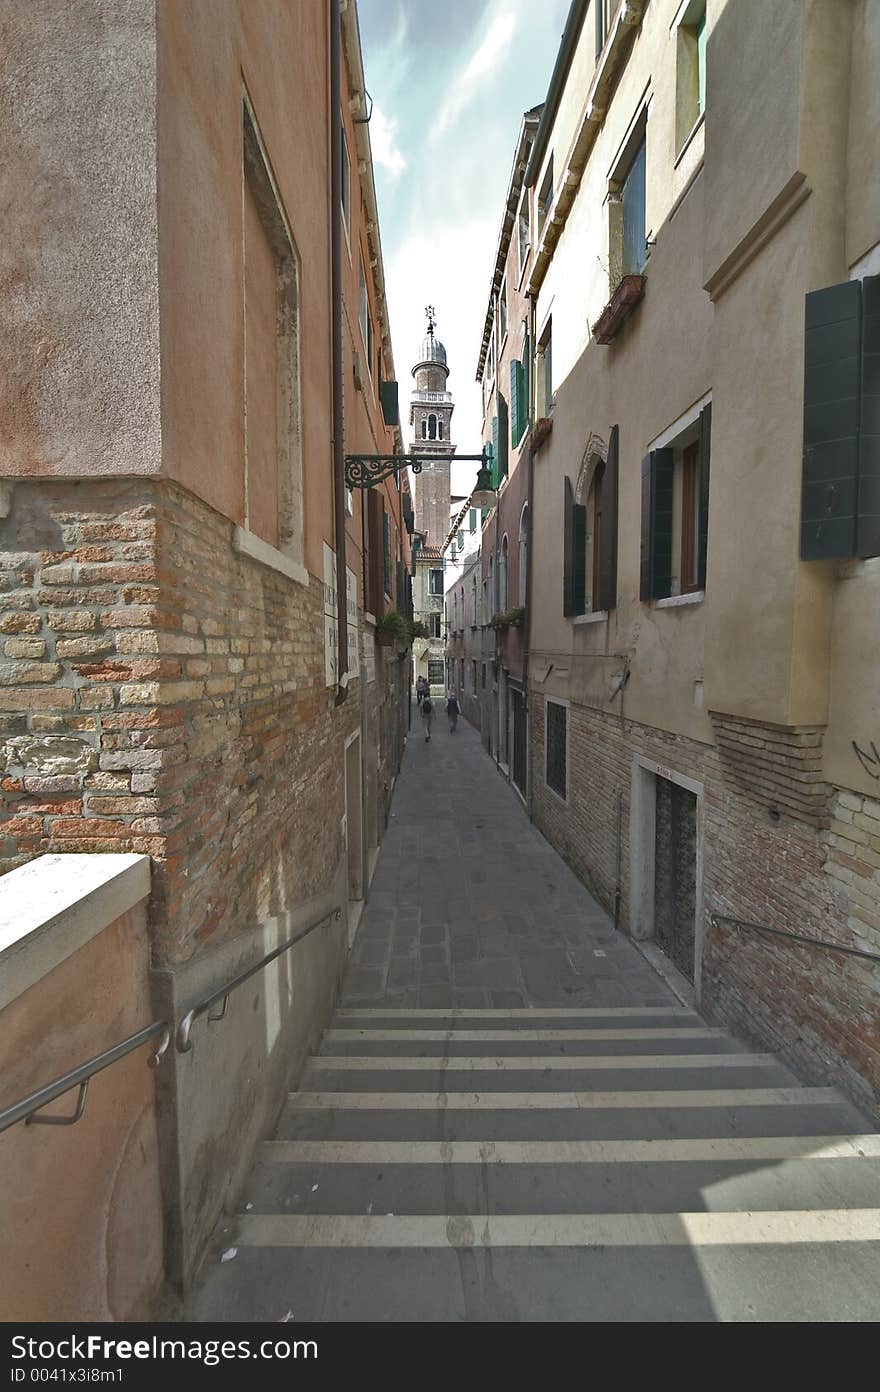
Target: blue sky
(450, 80)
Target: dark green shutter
(574, 565)
(386, 521)
(518, 401)
(496, 479)
(607, 541)
(503, 437)
(868, 525)
(389, 400)
(832, 398)
(656, 566)
(705, 449)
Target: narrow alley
(512, 1117)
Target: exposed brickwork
(816, 1007)
(778, 766)
(192, 681)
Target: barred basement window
(556, 748)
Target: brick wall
(161, 693)
(819, 876)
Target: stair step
(521, 1062)
(529, 1015)
(558, 1101)
(515, 1046)
(617, 1186)
(547, 1036)
(692, 1230)
(565, 1075)
(442, 1284)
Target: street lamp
(366, 470)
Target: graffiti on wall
(869, 760)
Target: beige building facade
(703, 613)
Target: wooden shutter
(574, 564)
(496, 478)
(375, 559)
(868, 525)
(832, 400)
(390, 405)
(503, 437)
(703, 466)
(518, 401)
(606, 597)
(656, 566)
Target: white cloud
(490, 53)
(383, 140)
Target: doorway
(675, 874)
(520, 744)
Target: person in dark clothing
(421, 691)
(453, 711)
(427, 710)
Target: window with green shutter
(503, 438)
(518, 406)
(574, 554)
(840, 500)
(656, 561)
(387, 544)
(493, 462)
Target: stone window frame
(289, 556)
(595, 456)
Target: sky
(450, 80)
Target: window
(474, 600)
(675, 512)
(346, 186)
(590, 543)
(493, 597)
(424, 428)
(439, 430)
(486, 614)
(473, 678)
(690, 75)
(603, 9)
(272, 442)
(502, 314)
(472, 520)
(432, 427)
(435, 671)
(545, 372)
(363, 307)
(545, 197)
(522, 224)
(632, 200)
(556, 747)
(434, 625)
(484, 676)
(386, 539)
(502, 577)
(435, 582)
(523, 554)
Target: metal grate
(557, 748)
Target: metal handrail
(26, 1109)
(715, 919)
(183, 1041)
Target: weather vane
(429, 310)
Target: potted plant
(417, 629)
(499, 621)
(630, 290)
(391, 628)
(516, 617)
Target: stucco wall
(80, 1207)
(79, 335)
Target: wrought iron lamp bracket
(366, 470)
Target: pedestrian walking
(453, 711)
(421, 691)
(427, 710)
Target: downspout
(336, 349)
(527, 629)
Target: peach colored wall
(209, 52)
(261, 342)
(80, 1207)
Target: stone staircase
(553, 1164)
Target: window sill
(673, 601)
(265, 554)
(599, 617)
(697, 126)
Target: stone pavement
(470, 906)
(510, 1116)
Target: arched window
(502, 577)
(474, 599)
(432, 427)
(424, 429)
(523, 554)
(493, 602)
(439, 430)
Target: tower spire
(429, 310)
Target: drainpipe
(336, 348)
(527, 629)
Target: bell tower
(430, 417)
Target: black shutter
(389, 400)
(832, 393)
(868, 525)
(607, 596)
(656, 568)
(705, 449)
(647, 526)
(574, 570)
